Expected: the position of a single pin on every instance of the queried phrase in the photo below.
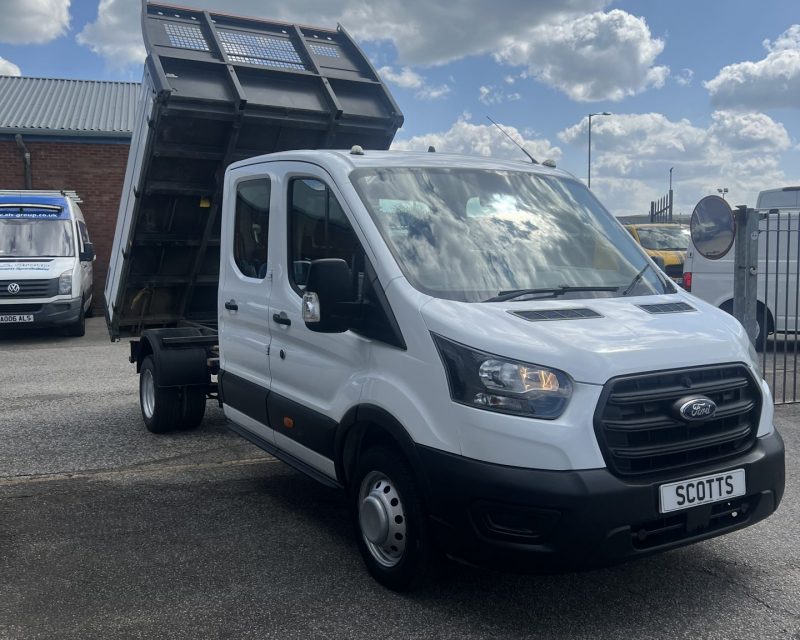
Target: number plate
(690, 493)
(7, 319)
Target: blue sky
(537, 68)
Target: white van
(45, 261)
(712, 280)
(479, 354)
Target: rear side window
(318, 228)
(251, 227)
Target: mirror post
(745, 269)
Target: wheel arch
(174, 366)
(727, 307)
(365, 425)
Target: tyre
(90, 310)
(390, 519)
(193, 407)
(161, 408)
(78, 328)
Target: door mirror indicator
(328, 298)
(311, 314)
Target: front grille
(29, 289)
(20, 308)
(640, 436)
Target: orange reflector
(205, 203)
(288, 422)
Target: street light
(722, 192)
(670, 178)
(589, 172)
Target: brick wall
(95, 171)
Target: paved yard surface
(107, 531)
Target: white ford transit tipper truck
(45, 261)
(474, 350)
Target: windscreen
(475, 234)
(25, 238)
(664, 238)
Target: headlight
(754, 356)
(486, 381)
(65, 283)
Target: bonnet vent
(557, 314)
(669, 307)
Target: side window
(318, 228)
(84, 233)
(251, 227)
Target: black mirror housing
(87, 255)
(331, 280)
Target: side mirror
(659, 262)
(329, 289)
(87, 255)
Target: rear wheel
(193, 407)
(161, 408)
(390, 519)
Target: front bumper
(45, 314)
(534, 520)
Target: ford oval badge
(696, 409)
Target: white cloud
(33, 21)
(8, 68)
(771, 82)
(493, 95)
(483, 140)
(423, 32)
(632, 154)
(599, 56)
(408, 79)
(405, 78)
(684, 77)
(113, 34)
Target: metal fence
(661, 209)
(767, 292)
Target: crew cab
(479, 355)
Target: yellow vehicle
(664, 240)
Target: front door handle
(231, 305)
(282, 318)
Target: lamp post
(722, 192)
(589, 171)
(670, 178)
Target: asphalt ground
(107, 531)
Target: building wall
(94, 170)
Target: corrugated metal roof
(59, 107)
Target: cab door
(243, 302)
(316, 377)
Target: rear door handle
(282, 318)
(231, 305)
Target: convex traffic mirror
(713, 227)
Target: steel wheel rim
(382, 519)
(148, 393)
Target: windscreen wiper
(502, 296)
(636, 279)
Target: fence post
(745, 269)
(670, 204)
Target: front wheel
(391, 521)
(78, 328)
